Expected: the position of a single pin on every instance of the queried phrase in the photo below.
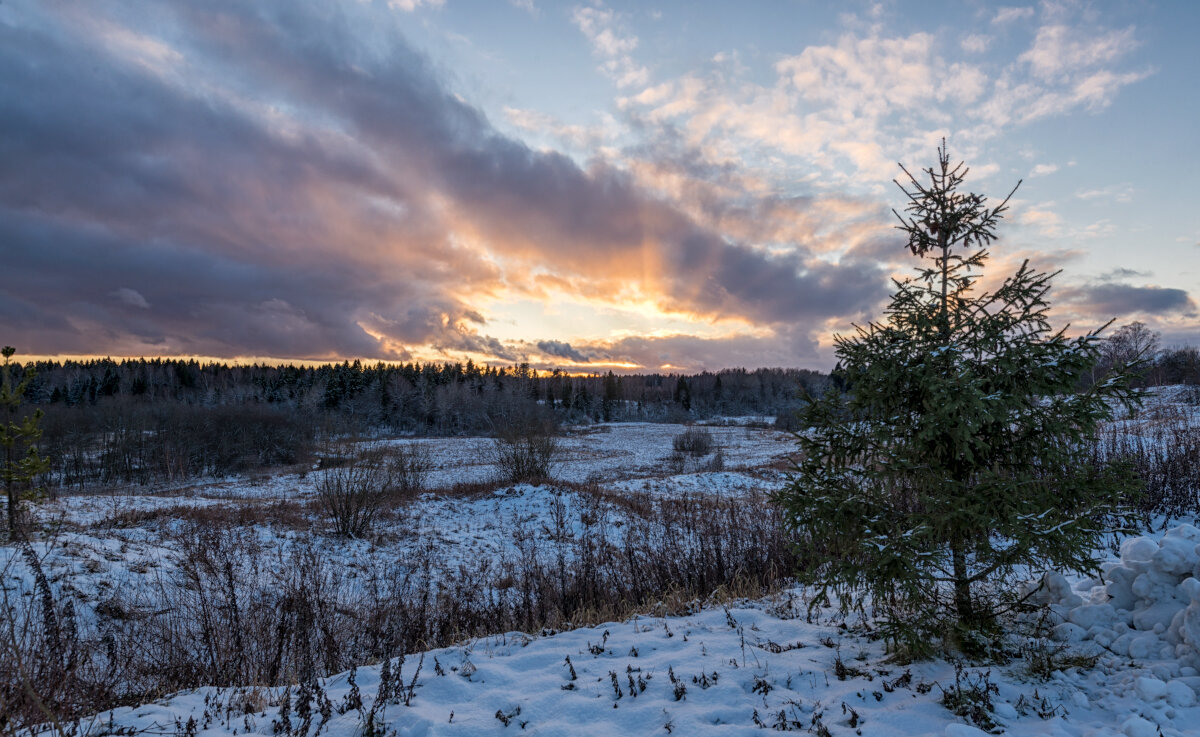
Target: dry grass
(1164, 449)
(237, 611)
(282, 514)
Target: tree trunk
(962, 584)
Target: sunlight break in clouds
(383, 224)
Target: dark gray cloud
(1123, 273)
(287, 179)
(561, 349)
(785, 348)
(1120, 300)
(59, 284)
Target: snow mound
(1147, 608)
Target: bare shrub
(677, 462)
(351, 494)
(788, 421)
(44, 670)
(525, 458)
(695, 441)
(525, 449)
(408, 469)
(717, 462)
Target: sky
(629, 186)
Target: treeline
(1164, 367)
(1174, 366)
(162, 420)
(439, 399)
(165, 420)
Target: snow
(1148, 609)
(710, 673)
(611, 451)
(725, 668)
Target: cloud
(409, 6)
(560, 349)
(787, 348)
(1114, 192)
(131, 297)
(1042, 170)
(298, 182)
(1123, 300)
(614, 46)
(1066, 68)
(847, 111)
(1009, 14)
(976, 43)
(566, 135)
(1059, 51)
(1042, 217)
(1123, 273)
(870, 75)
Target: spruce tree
(18, 438)
(957, 458)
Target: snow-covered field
(109, 541)
(731, 666)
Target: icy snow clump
(1147, 608)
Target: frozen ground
(759, 664)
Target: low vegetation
(1163, 449)
(234, 611)
(695, 449)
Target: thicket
(357, 484)
(1163, 447)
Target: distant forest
(155, 421)
(434, 399)
(147, 421)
